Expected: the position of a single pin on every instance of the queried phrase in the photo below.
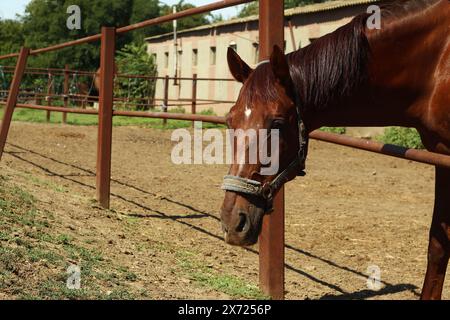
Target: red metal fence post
(66, 92)
(48, 98)
(194, 95)
(12, 97)
(105, 114)
(166, 97)
(271, 240)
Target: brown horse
(398, 75)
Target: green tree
(249, 9)
(11, 38)
(145, 10)
(188, 22)
(44, 24)
(252, 8)
(134, 60)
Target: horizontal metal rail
(416, 155)
(139, 114)
(62, 72)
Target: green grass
(34, 256)
(39, 116)
(338, 130)
(41, 182)
(204, 276)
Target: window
(166, 59)
(194, 57)
(212, 55)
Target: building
(202, 50)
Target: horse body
(408, 76)
(409, 85)
(398, 75)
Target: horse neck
(391, 96)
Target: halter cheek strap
(267, 190)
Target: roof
(311, 8)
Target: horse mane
(332, 67)
(336, 65)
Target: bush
(134, 60)
(405, 137)
(338, 130)
(208, 112)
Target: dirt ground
(353, 210)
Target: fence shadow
(365, 294)
(343, 295)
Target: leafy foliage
(11, 37)
(252, 8)
(44, 24)
(134, 60)
(405, 137)
(144, 10)
(338, 130)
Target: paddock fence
(271, 32)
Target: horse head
(266, 104)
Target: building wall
(306, 28)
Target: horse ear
(279, 65)
(238, 68)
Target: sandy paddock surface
(353, 210)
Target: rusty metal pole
(48, 98)
(194, 95)
(105, 115)
(271, 240)
(166, 97)
(12, 97)
(66, 92)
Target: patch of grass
(338, 130)
(127, 274)
(405, 137)
(34, 257)
(208, 112)
(64, 239)
(235, 287)
(42, 254)
(38, 181)
(39, 116)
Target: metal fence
(271, 24)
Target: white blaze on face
(248, 112)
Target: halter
(267, 190)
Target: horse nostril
(242, 222)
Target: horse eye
(277, 123)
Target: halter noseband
(267, 190)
